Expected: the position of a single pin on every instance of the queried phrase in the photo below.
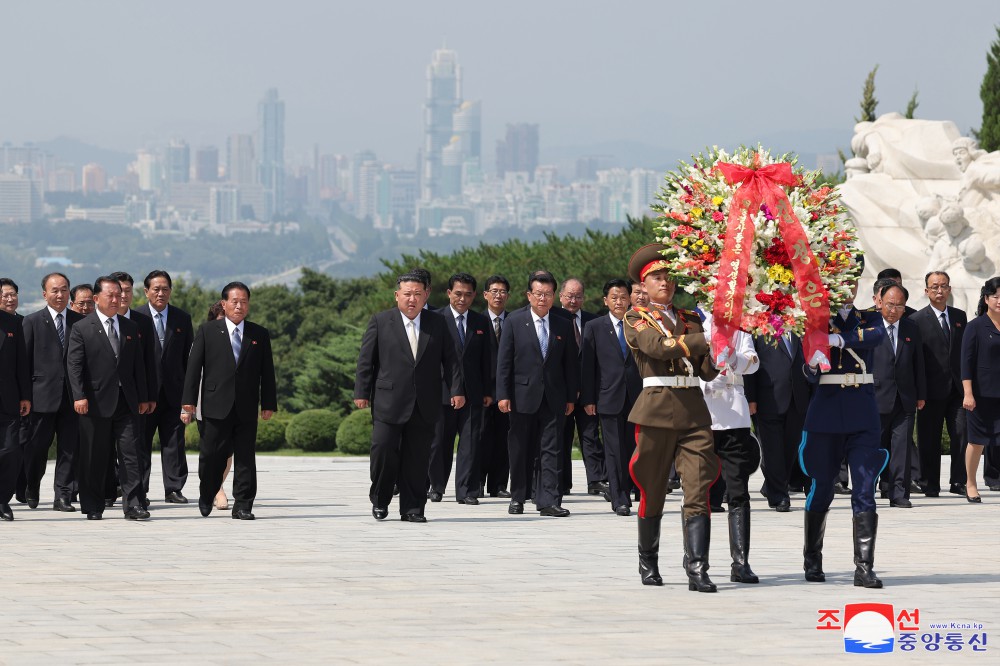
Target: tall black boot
(865, 529)
(739, 544)
(698, 530)
(649, 550)
(812, 551)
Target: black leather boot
(698, 530)
(649, 550)
(865, 529)
(739, 544)
(812, 551)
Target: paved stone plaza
(315, 579)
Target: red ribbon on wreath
(762, 186)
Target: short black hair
(464, 278)
(889, 273)
(616, 282)
(7, 282)
(543, 277)
(990, 288)
(52, 275)
(77, 289)
(497, 279)
(894, 285)
(881, 284)
(157, 274)
(422, 275)
(234, 285)
(632, 284)
(410, 277)
(928, 276)
(109, 279)
(122, 276)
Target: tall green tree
(912, 105)
(989, 132)
(868, 101)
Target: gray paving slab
(316, 580)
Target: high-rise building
(396, 199)
(241, 165)
(642, 191)
(359, 159)
(444, 95)
(178, 164)
(94, 179)
(206, 164)
(20, 198)
(271, 142)
(223, 205)
(61, 180)
(467, 126)
(518, 151)
(368, 177)
(150, 170)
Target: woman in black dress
(981, 381)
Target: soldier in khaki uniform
(673, 425)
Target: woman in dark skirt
(981, 381)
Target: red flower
(777, 254)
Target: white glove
(819, 360)
(723, 356)
(836, 341)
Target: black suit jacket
(494, 348)
(392, 380)
(147, 338)
(47, 359)
(476, 357)
(524, 378)
(779, 383)
(609, 380)
(15, 384)
(942, 361)
(901, 373)
(94, 374)
(981, 357)
(171, 358)
(228, 384)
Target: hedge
(314, 430)
(354, 436)
(270, 434)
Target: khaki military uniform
(673, 425)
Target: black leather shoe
(995, 487)
(673, 484)
(136, 513)
(94, 515)
(717, 508)
(902, 503)
(62, 505)
(931, 493)
(108, 503)
(503, 493)
(784, 506)
(434, 496)
(915, 487)
(554, 512)
(379, 512)
(840, 489)
(6, 513)
(32, 502)
(471, 501)
(515, 508)
(175, 498)
(205, 506)
(242, 514)
(623, 511)
(598, 488)
(955, 489)
(974, 500)
(413, 518)
(20, 499)
(144, 501)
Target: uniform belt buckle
(850, 379)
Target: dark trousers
(897, 427)
(464, 423)
(495, 468)
(167, 421)
(780, 436)
(822, 453)
(739, 454)
(10, 456)
(536, 435)
(221, 438)
(98, 438)
(586, 427)
(991, 465)
(946, 412)
(399, 457)
(64, 427)
(619, 445)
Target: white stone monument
(924, 198)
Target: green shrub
(270, 434)
(192, 440)
(314, 430)
(354, 436)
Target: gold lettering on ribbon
(800, 251)
(735, 265)
(814, 297)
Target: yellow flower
(696, 213)
(684, 242)
(780, 274)
(717, 201)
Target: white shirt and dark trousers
(496, 424)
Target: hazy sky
(671, 74)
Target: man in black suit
(15, 403)
(46, 334)
(941, 329)
(107, 379)
(9, 297)
(405, 352)
(586, 426)
(81, 299)
(778, 396)
(231, 362)
(900, 389)
(537, 384)
(496, 424)
(172, 337)
(471, 333)
(609, 386)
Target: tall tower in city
(518, 151)
(241, 166)
(444, 96)
(271, 147)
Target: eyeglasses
(497, 292)
(893, 308)
(572, 297)
(541, 295)
(939, 287)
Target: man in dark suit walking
(496, 424)
(610, 384)
(107, 380)
(15, 403)
(778, 397)
(46, 334)
(172, 336)
(537, 384)
(232, 364)
(941, 329)
(900, 389)
(471, 333)
(405, 352)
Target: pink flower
(718, 217)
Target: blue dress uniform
(842, 421)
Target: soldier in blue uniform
(842, 422)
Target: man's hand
(458, 401)
(753, 408)
(146, 407)
(819, 360)
(487, 401)
(25, 407)
(969, 402)
(80, 406)
(266, 414)
(590, 410)
(569, 408)
(921, 403)
(361, 403)
(187, 417)
(504, 406)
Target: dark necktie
(892, 338)
(60, 330)
(945, 328)
(621, 340)
(576, 330)
(113, 336)
(496, 328)
(460, 323)
(237, 344)
(160, 330)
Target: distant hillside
(77, 153)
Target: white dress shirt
(727, 402)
